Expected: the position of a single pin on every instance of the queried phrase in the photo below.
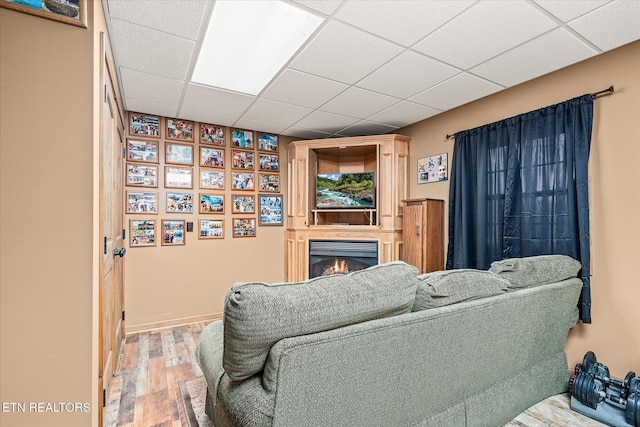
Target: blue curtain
(519, 187)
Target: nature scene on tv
(335, 191)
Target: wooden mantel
(386, 155)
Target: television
(345, 191)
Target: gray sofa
(386, 346)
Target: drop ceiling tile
(610, 26)
(404, 113)
(151, 51)
(179, 17)
(366, 127)
(456, 91)
(485, 30)
(343, 53)
(158, 89)
(360, 103)
(276, 112)
(257, 125)
(416, 19)
(298, 88)
(305, 133)
(325, 122)
(204, 98)
(407, 74)
(326, 7)
(148, 107)
(540, 56)
(570, 9)
(207, 117)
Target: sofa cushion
(257, 315)
(536, 270)
(442, 288)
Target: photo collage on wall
(176, 166)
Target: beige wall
(615, 179)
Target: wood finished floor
(145, 392)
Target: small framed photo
(142, 151)
(269, 162)
(178, 154)
(144, 124)
(173, 232)
(433, 169)
(180, 129)
(212, 134)
(242, 159)
(142, 202)
(243, 181)
(211, 203)
(243, 203)
(211, 228)
(142, 232)
(142, 175)
(270, 209)
(270, 182)
(211, 179)
(244, 227)
(70, 12)
(178, 177)
(179, 202)
(267, 142)
(211, 157)
(242, 138)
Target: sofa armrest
(209, 356)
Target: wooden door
(111, 298)
(412, 234)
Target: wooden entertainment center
(386, 156)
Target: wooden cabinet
(423, 234)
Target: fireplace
(327, 257)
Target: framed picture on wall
(270, 182)
(144, 124)
(178, 177)
(211, 203)
(142, 232)
(243, 181)
(242, 138)
(270, 209)
(211, 228)
(211, 179)
(212, 134)
(243, 203)
(180, 129)
(142, 151)
(267, 142)
(433, 169)
(142, 175)
(179, 202)
(142, 202)
(269, 162)
(241, 159)
(244, 227)
(72, 12)
(178, 154)
(173, 232)
(212, 157)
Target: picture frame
(244, 181)
(173, 232)
(142, 202)
(433, 169)
(210, 228)
(269, 162)
(244, 227)
(242, 138)
(213, 134)
(268, 142)
(141, 175)
(211, 179)
(243, 203)
(212, 157)
(242, 159)
(269, 182)
(179, 129)
(211, 203)
(73, 12)
(270, 209)
(142, 151)
(142, 232)
(144, 125)
(178, 177)
(178, 154)
(179, 202)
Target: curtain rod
(595, 95)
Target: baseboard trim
(146, 327)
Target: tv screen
(345, 190)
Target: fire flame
(338, 267)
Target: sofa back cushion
(257, 315)
(442, 288)
(536, 270)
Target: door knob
(119, 252)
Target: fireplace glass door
(327, 257)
